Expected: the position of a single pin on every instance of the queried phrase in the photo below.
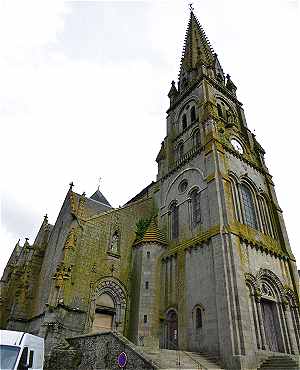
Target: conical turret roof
(152, 234)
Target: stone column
(283, 328)
(290, 330)
(255, 321)
(261, 322)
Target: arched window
(184, 122)
(198, 321)
(174, 220)
(196, 209)
(196, 138)
(180, 150)
(193, 114)
(265, 216)
(248, 207)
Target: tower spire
(196, 44)
(197, 50)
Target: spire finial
(191, 7)
(71, 185)
(46, 217)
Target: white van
(20, 351)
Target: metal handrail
(175, 346)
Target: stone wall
(98, 351)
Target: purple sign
(122, 359)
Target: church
(199, 261)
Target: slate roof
(99, 197)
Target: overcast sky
(83, 95)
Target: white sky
(83, 95)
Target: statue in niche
(114, 245)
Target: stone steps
(172, 359)
(279, 363)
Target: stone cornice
(189, 155)
(254, 238)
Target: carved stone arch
(189, 100)
(245, 180)
(232, 175)
(251, 283)
(290, 296)
(116, 290)
(223, 99)
(180, 175)
(273, 280)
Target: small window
(193, 114)
(147, 285)
(180, 150)
(198, 318)
(196, 207)
(145, 319)
(184, 122)
(196, 138)
(183, 186)
(148, 254)
(31, 359)
(174, 221)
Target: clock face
(237, 146)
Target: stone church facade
(199, 260)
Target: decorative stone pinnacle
(191, 7)
(46, 217)
(71, 185)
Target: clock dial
(237, 146)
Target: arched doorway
(172, 330)
(270, 324)
(104, 314)
(107, 306)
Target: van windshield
(8, 356)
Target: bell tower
(228, 273)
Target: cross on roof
(99, 180)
